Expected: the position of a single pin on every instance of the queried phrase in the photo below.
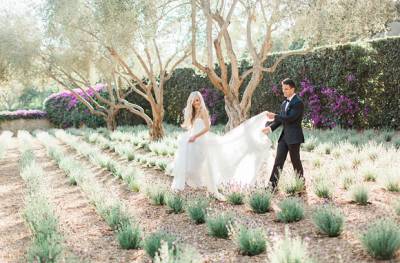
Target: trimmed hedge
(22, 114)
(367, 73)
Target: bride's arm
(206, 120)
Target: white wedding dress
(211, 160)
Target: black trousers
(281, 154)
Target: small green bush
(218, 225)
(328, 220)
(322, 188)
(360, 194)
(382, 239)
(115, 216)
(157, 195)
(175, 202)
(251, 242)
(290, 183)
(129, 237)
(291, 210)
(260, 201)
(197, 211)
(235, 198)
(152, 243)
(289, 250)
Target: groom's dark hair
(289, 82)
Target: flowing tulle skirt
(211, 160)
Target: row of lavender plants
(47, 240)
(328, 219)
(153, 242)
(111, 209)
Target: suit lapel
(292, 102)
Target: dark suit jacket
(291, 121)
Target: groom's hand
(271, 115)
(266, 130)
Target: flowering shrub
(327, 108)
(65, 110)
(365, 77)
(22, 114)
(213, 100)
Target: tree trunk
(111, 121)
(157, 128)
(236, 115)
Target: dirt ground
(88, 237)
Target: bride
(205, 159)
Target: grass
(251, 242)
(360, 194)
(115, 216)
(392, 182)
(290, 183)
(197, 211)
(218, 225)
(291, 210)
(157, 195)
(129, 237)
(289, 250)
(175, 202)
(382, 239)
(235, 198)
(177, 254)
(328, 220)
(323, 188)
(152, 243)
(260, 201)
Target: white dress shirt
(289, 99)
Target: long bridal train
(212, 159)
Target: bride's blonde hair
(189, 112)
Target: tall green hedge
(367, 72)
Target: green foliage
(260, 201)
(197, 210)
(360, 194)
(251, 242)
(157, 195)
(129, 237)
(46, 247)
(374, 66)
(175, 202)
(392, 182)
(289, 250)
(235, 198)
(115, 216)
(291, 210)
(329, 220)
(323, 188)
(218, 225)
(178, 254)
(290, 183)
(382, 239)
(152, 243)
(397, 207)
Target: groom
(290, 117)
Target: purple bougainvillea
(327, 107)
(211, 98)
(71, 99)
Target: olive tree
(233, 28)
